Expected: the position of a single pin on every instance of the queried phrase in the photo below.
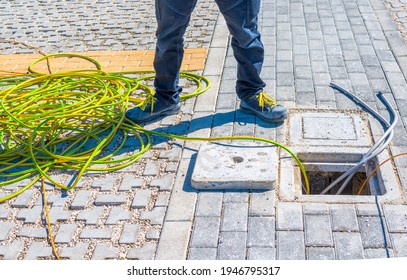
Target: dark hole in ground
(319, 180)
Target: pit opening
(323, 169)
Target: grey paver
(152, 168)
(4, 213)
(344, 218)
(117, 214)
(129, 234)
(318, 230)
(32, 232)
(235, 217)
(174, 240)
(81, 200)
(65, 233)
(58, 214)
(396, 217)
(30, 215)
(104, 251)
(141, 198)
(206, 232)
(315, 209)
(155, 216)
(371, 230)
(289, 216)
(209, 204)
(261, 232)
(76, 252)
(110, 199)
(104, 184)
(162, 200)
(91, 217)
(12, 251)
(129, 181)
(377, 253)
(232, 246)
(262, 203)
(102, 233)
(23, 200)
(290, 245)
(261, 253)
(5, 229)
(320, 253)
(165, 183)
(147, 252)
(38, 250)
(348, 245)
(202, 254)
(400, 244)
(153, 234)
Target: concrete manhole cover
(244, 165)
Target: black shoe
(264, 106)
(155, 109)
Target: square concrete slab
(244, 165)
(329, 129)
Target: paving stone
(396, 217)
(129, 181)
(162, 200)
(129, 234)
(371, 231)
(202, 254)
(105, 252)
(400, 244)
(209, 204)
(344, 217)
(164, 184)
(320, 253)
(318, 230)
(173, 244)
(75, 253)
(153, 234)
(38, 250)
(92, 233)
(377, 253)
(155, 216)
(5, 229)
(12, 251)
(152, 168)
(58, 214)
(23, 200)
(147, 252)
(117, 214)
(262, 253)
(4, 213)
(261, 232)
(30, 215)
(235, 217)
(105, 183)
(110, 199)
(91, 217)
(65, 233)
(289, 216)
(141, 198)
(290, 245)
(32, 232)
(367, 210)
(174, 154)
(205, 232)
(232, 246)
(315, 209)
(81, 200)
(348, 245)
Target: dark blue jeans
(173, 17)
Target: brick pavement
(308, 44)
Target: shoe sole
(162, 114)
(280, 119)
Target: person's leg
(172, 18)
(241, 18)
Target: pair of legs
(173, 17)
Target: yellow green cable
(73, 120)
